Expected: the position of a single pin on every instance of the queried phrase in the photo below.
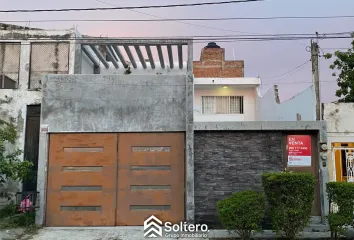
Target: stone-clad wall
(230, 161)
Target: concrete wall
(340, 118)
(303, 103)
(249, 102)
(112, 103)
(227, 162)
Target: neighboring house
(221, 92)
(339, 117)
(301, 107)
(26, 54)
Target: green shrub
(242, 212)
(9, 210)
(290, 197)
(340, 193)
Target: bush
(290, 197)
(340, 193)
(11, 166)
(242, 212)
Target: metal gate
(343, 162)
(115, 179)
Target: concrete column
(75, 58)
(190, 208)
(25, 58)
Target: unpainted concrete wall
(114, 103)
(303, 103)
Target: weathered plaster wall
(303, 103)
(13, 102)
(340, 125)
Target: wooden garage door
(150, 177)
(81, 188)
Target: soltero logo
(153, 228)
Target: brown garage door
(150, 177)
(81, 188)
(87, 188)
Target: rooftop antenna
(233, 50)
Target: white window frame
(209, 105)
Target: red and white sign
(299, 150)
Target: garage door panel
(57, 180)
(146, 178)
(149, 197)
(83, 199)
(83, 219)
(115, 179)
(150, 158)
(150, 177)
(84, 159)
(82, 173)
(137, 218)
(86, 149)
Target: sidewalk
(136, 233)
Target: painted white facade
(302, 105)
(340, 127)
(248, 88)
(256, 107)
(14, 101)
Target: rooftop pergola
(144, 52)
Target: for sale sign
(299, 150)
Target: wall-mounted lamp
(225, 86)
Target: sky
(266, 60)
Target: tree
(343, 68)
(11, 167)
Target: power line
(191, 24)
(132, 7)
(292, 70)
(325, 81)
(186, 23)
(179, 19)
(195, 40)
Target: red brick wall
(212, 64)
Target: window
(222, 105)
(9, 65)
(47, 58)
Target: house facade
(221, 92)
(339, 118)
(118, 141)
(26, 54)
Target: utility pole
(316, 77)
